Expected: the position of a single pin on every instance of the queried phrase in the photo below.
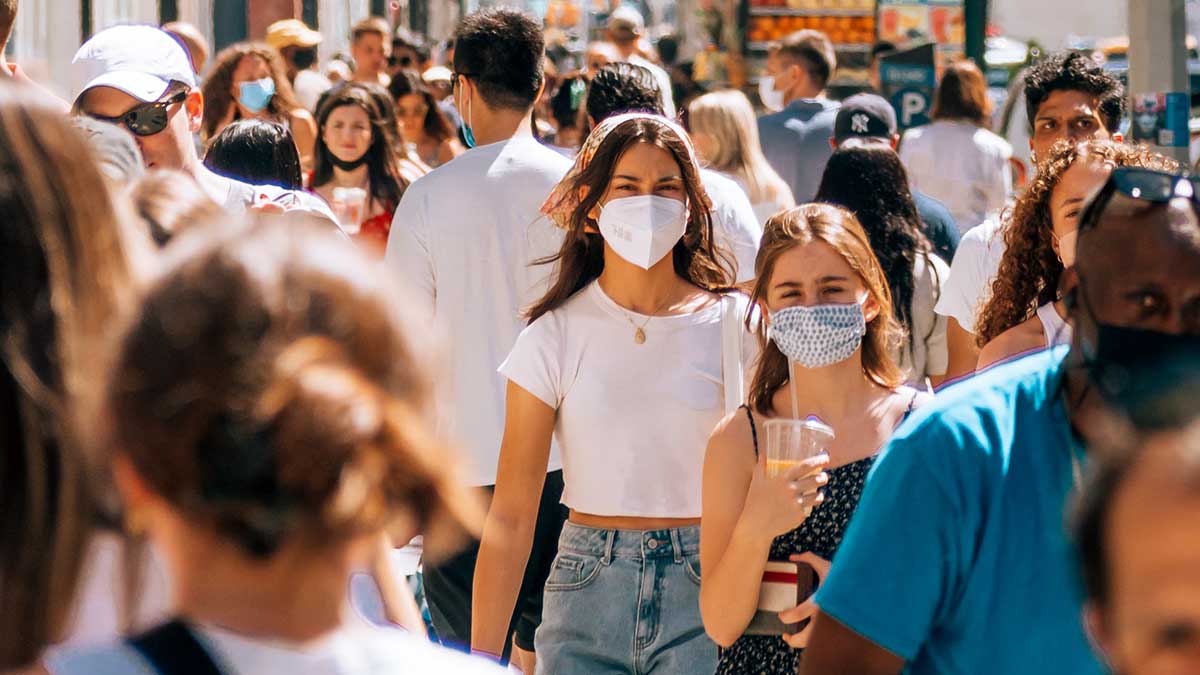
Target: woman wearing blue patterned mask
(623, 364)
(826, 338)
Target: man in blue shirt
(796, 139)
(867, 119)
(957, 559)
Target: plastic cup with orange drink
(791, 441)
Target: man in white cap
(297, 44)
(140, 78)
(624, 29)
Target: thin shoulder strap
(753, 429)
(912, 402)
(172, 649)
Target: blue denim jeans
(624, 601)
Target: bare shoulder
(732, 441)
(1025, 337)
(301, 115)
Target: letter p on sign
(912, 104)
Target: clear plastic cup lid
(813, 422)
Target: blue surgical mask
(468, 134)
(818, 336)
(254, 96)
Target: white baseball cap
(627, 18)
(141, 61)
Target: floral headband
(563, 201)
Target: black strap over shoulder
(753, 429)
(172, 649)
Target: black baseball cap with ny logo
(864, 116)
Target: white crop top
(633, 420)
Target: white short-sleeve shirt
(633, 419)
(464, 240)
(736, 226)
(961, 165)
(976, 263)
(354, 650)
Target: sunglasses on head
(1146, 185)
(146, 119)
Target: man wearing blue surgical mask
(957, 560)
(795, 135)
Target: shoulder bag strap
(731, 352)
(172, 649)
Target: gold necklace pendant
(639, 336)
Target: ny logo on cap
(858, 123)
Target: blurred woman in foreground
(265, 414)
(64, 275)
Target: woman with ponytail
(827, 333)
(266, 420)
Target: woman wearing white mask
(622, 364)
(826, 341)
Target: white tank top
(1055, 328)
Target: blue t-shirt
(957, 558)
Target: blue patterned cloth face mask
(818, 336)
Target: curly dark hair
(500, 50)
(621, 88)
(870, 182)
(218, 88)
(1030, 269)
(1074, 71)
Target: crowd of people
(266, 327)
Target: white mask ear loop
(792, 389)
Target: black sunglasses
(1147, 185)
(146, 119)
(403, 61)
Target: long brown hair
(435, 125)
(1030, 269)
(837, 227)
(218, 88)
(63, 278)
(581, 258)
(383, 163)
(268, 388)
(962, 95)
